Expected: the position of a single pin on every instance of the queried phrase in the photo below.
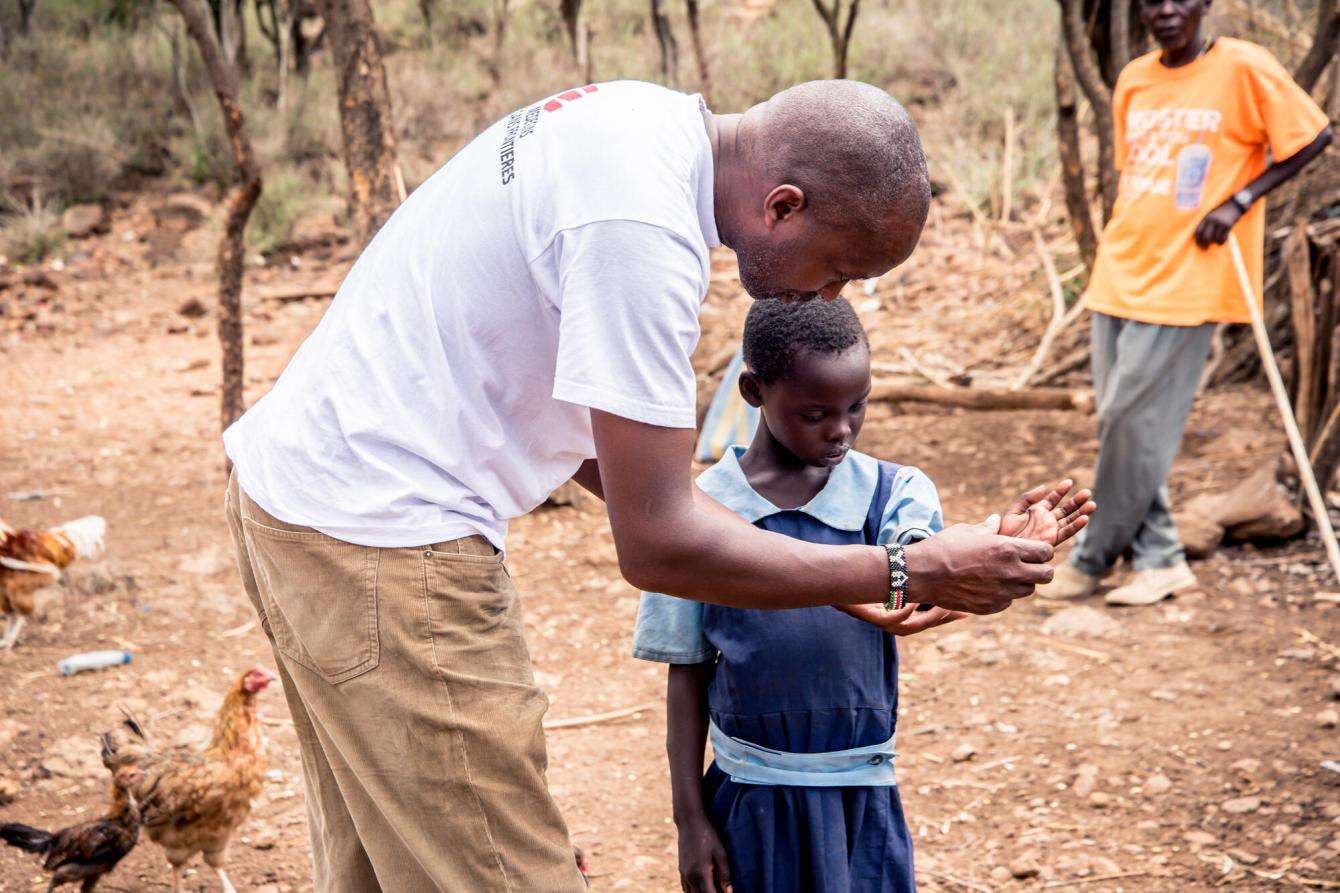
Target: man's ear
(751, 389)
(782, 203)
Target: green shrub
(31, 232)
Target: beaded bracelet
(897, 577)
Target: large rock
(1258, 508)
(79, 221)
(183, 211)
(1200, 536)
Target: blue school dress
(803, 682)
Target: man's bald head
(824, 183)
(850, 146)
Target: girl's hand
(1048, 517)
(906, 621)
(703, 867)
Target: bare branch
(1325, 43)
(1090, 79)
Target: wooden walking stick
(1281, 395)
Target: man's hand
(1213, 230)
(1048, 517)
(972, 568)
(906, 621)
(703, 867)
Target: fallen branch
(982, 398)
(1069, 364)
(595, 718)
(287, 294)
(940, 875)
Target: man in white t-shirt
(525, 317)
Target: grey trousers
(1145, 378)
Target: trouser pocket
(320, 597)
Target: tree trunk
(365, 114)
(579, 36)
(839, 32)
(302, 47)
(695, 33)
(26, 8)
(1120, 22)
(1325, 43)
(666, 44)
(1072, 161)
(241, 199)
(1090, 78)
(495, 62)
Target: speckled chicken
(192, 802)
(31, 559)
(86, 852)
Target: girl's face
(816, 411)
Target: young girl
(801, 704)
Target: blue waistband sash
(746, 763)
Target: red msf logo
(556, 103)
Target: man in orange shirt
(1194, 122)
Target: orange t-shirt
(1186, 139)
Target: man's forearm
(710, 554)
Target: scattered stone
(79, 221)
(207, 562)
(183, 210)
(1247, 766)
(263, 840)
(1000, 874)
(1244, 857)
(1335, 687)
(1200, 838)
(1024, 868)
(75, 757)
(1241, 805)
(1328, 718)
(963, 753)
(1080, 621)
(9, 791)
(1100, 800)
(193, 308)
(1158, 784)
(1086, 779)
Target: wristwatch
(1243, 199)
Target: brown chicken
(192, 802)
(84, 853)
(31, 559)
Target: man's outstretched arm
(673, 538)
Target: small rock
(207, 562)
(263, 840)
(193, 308)
(1086, 779)
(1245, 857)
(1335, 688)
(9, 791)
(1241, 805)
(1080, 621)
(183, 211)
(1200, 838)
(1328, 718)
(83, 220)
(963, 753)
(1247, 766)
(1000, 874)
(1100, 800)
(1158, 784)
(1024, 869)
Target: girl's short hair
(775, 333)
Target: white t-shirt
(557, 263)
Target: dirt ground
(1176, 748)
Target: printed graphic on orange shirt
(1166, 153)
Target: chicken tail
(85, 535)
(26, 837)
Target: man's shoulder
(1244, 52)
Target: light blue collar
(842, 504)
